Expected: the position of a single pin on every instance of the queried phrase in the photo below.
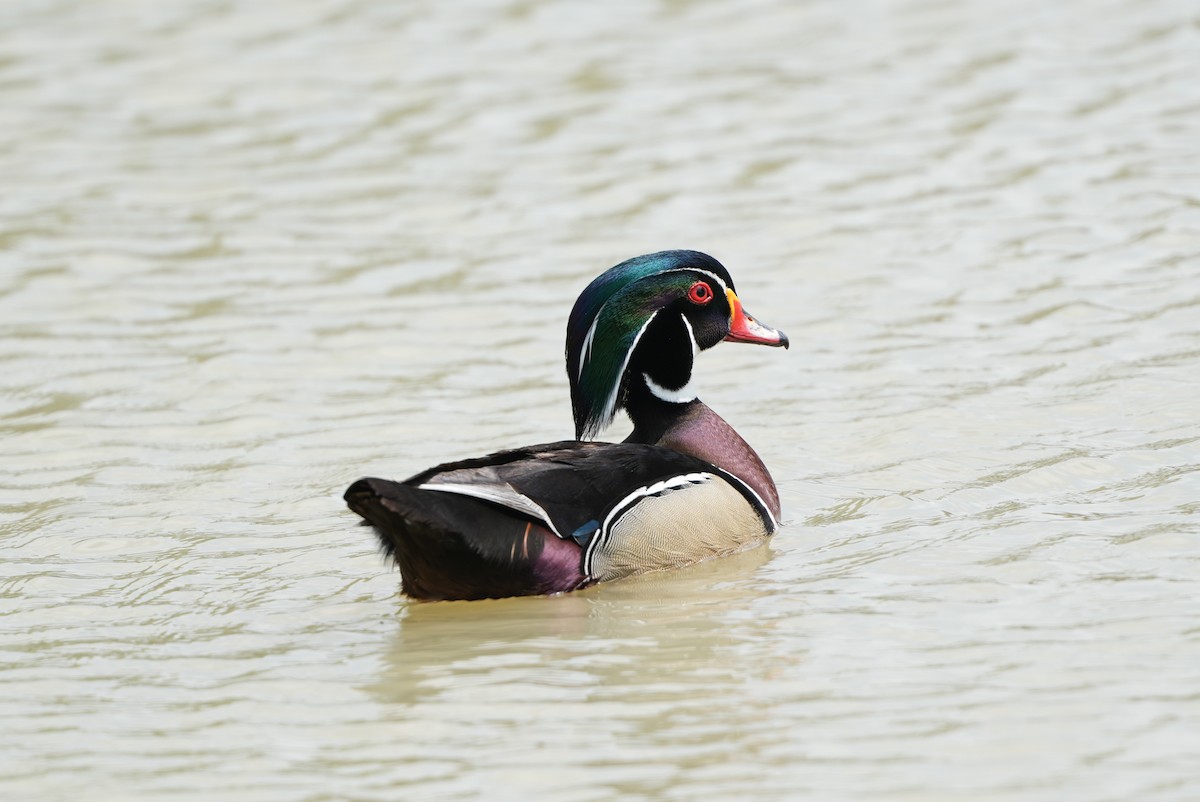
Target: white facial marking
(610, 405)
(684, 394)
(609, 410)
(720, 282)
(586, 352)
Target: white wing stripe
(505, 496)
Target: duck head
(641, 323)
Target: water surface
(251, 253)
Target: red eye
(700, 293)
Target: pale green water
(250, 252)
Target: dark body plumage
(555, 517)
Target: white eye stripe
(585, 352)
(608, 411)
(724, 287)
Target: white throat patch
(686, 393)
(681, 396)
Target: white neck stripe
(683, 395)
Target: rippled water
(250, 252)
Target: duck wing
(553, 517)
(568, 485)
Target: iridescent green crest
(608, 320)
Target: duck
(553, 518)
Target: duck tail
(449, 546)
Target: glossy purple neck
(695, 429)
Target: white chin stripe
(681, 396)
(685, 393)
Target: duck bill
(743, 328)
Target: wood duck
(556, 517)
